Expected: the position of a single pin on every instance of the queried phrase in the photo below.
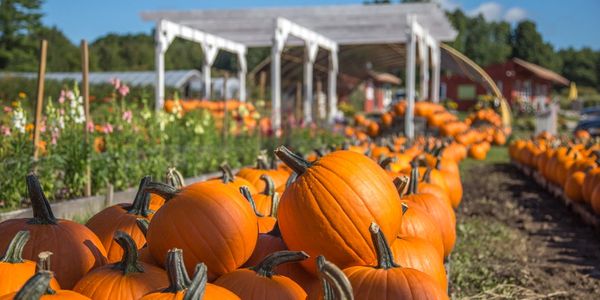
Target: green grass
(82, 218)
(497, 155)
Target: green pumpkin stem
(42, 212)
(14, 252)
(336, 285)
(427, 175)
(246, 193)
(129, 263)
(274, 205)
(198, 285)
(43, 263)
(414, 180)
(178, 276)
(36, 287)
(319, 152)
(261, 162)
(291, 179)
(269, 184)
(141, 202)
(227, 176)
(404, 208)
(385, 161)
(164, 190)
(174, 178)
(292, 160)
(267, 266)
(401, 182)
(143, 225)
(385, 259)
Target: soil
(554, 255)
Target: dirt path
(518, 242)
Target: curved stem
(129, 263)
(292, 160)
(42, 212)
(143, 225)
(227, 173)
(319, 152)
(401, 182)
(14, 252)
(164, 190)
(43, 263)
(261, 162)
(368, 152)
(336, 285)
(427, 175)
(414, 179)
(274, 205)
(269, 184)
(198, 284)
(385, 259)
(246, 193)
(404, 208)
(178, 276)
(174, 178)
(141, 202)
(266, 267)
(438, 163)
(36, 287)
(291, 179)
(385, 161)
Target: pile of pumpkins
(367, 221)
(572, 164)
(477, 132)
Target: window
(466, 92)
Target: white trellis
(167, 31)
(283, 29)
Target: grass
(496, 155)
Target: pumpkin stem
(401, 182)
(14, 252)
(198, 284)
(174, 178)
(292, 160)
(269, 184)
(368, 152)
(291, 179)
(178, 276)
(404, 208)
(36, 287)
(246, 193)
(274, 205)
(42, 212)
(438, 163)
(385, 259)
(266, 267)
(319, 152)
(336, 285)
(275, 231)
(385, 161)
(143, 224)
(427, 175)
(227, 173)
(129, 263)
(141, 202)
(414, 179)
(164, 190)
(43, 263)
(261, 162)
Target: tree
(580, 66)
(20, 20)
(62, 55)
(527, 44)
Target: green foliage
(581, 66)
(19, 21)
(528, 44)
(62, 54)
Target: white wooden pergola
(383, 36)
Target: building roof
(345, 24)
(541, 72)
(384, 77)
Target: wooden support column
(85, 83)
(310, 54)
(39, 101)
(411, 39)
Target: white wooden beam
(436, 69)
(411, 38)
(310, 54)
(424, 66)
(332, 86)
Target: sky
(572, 23)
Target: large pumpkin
(419, 254)
(209, 222)
(39, 287)
(14, 270)
(326, 211)
(77, 247)
(182, 288)
(128, 279)
(122, 217)
(388, 280)
(417, 223)
(261, 283)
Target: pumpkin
(574, 186)
(387, 279)
(387, 119)
(83, 249)
(373, 129)
(417, 223)
(127, 279)
(210, 222)
(323, 211)
(264, 201)
(451, 175)
(38, 287)
(419, 254)
(260, 282)
(253, 175)
(595, 200)
(144, 254)
(122, 217)
(427, 187)
(43, 264)
(14, 270)
(227, 179)
(181, 287)
(479, 151)
(265, 223)
(592, 179)
(173, 178)
(334, 283)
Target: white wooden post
(424, 59)
(210, 53)
(332, 86)
(242, 75)
(411, 39)
(278, 43)
(310, 54)
(163, 38)
(436, 69)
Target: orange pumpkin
(210, 222)
(127, 279)
(417, 223)
(144, 252)
(173, 178)
(253, 175)
(419, 254)
(265, 223)
(39, 287)
(227, 179)
(267, 201)
(14, 270)
(261, 282)
(334, 283)
(388, 280)
(324, 209)
(77, 243)
(574, 186)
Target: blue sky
(572, 23)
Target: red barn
(518, 80)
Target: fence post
(110, 193)
(86, 105)
(39, 101)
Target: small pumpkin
(261, 283)
(253, 175)
(417, 223)
(77, 243)
(265, 223)
(38, 287)
(182, 288)
(14, 270)
(387, 279)
(574, 186)
(127, 279)
(419, 254)
(264, 201)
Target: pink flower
(55, 134)
(107, 128)
(123, 90)
(5, 130)
(70, 95)
(89, 126)
(61, 99)
(61, 112)
(116, 82)
(127, 116)
(7, 109)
